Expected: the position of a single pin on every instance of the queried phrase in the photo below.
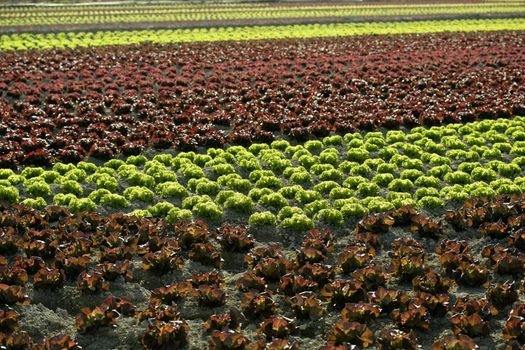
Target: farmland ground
(354, 179)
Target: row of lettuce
(93, 15)
(27, 41)
(297, 186)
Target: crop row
(200, 14)
(292, 186)
(102, 102)
(396, 277)
(27, 41)
(97, 9)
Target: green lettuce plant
(114, 163)
(340, 193)
(468, 166)
(16, 179)
(63, 199)
(435, 148)
(358, 155)
(160, 209)
(509, 169)
(308, 161)
(206, 187)
(82, 204)
(387, 168)
(97, 195)
(458, 177)
(30, 172)
(361, 169)
(171, 189)
(37, 203)
(164, 176)
(353, 182)
(77, 175)
(330, 216)
(439, 171)
(386, 153)
(208, 210)
(383, 179)
(411, 151)
(264, 218)
(114, 200)
(373, 163)
(225, 180)
(313, 145)
(138, 193)
(223, 169)
(256, 193)
(307, 196)
(268, 182)
(401, 185)
(297, 222)
(411, 174)
(325, 187)
(329, 156)
(335, 140)
(354, 210)
(62, 168)
(288, 212)
(6, 173)
(256, 175)
(393, 136)
(509, 189)
(240, 185)
(302, 177)
(165, 159)
(136, 160)
(367, 189)
(431, 202)
(425, 192)
(104, 181)
(492, 154)
(141, 179)
(377, 204)
(38, 189)
(275, 200)
(317, 169)
(289, 191)
(51, 176)
(428, 181)
(177, 214)
(70, 186)
(332, 174)
(314, 207)
(191, 201)
(281, 144)
(239, 203)
(255, 148)
(192, 171)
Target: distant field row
(66, 105)
(197, 13)
(27, 41)
(129, 8)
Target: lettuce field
(262, 176)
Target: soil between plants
(52, 312)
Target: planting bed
(27, 41)
(393, 281)
(105, 101)
(292, 186)
(27, 19)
